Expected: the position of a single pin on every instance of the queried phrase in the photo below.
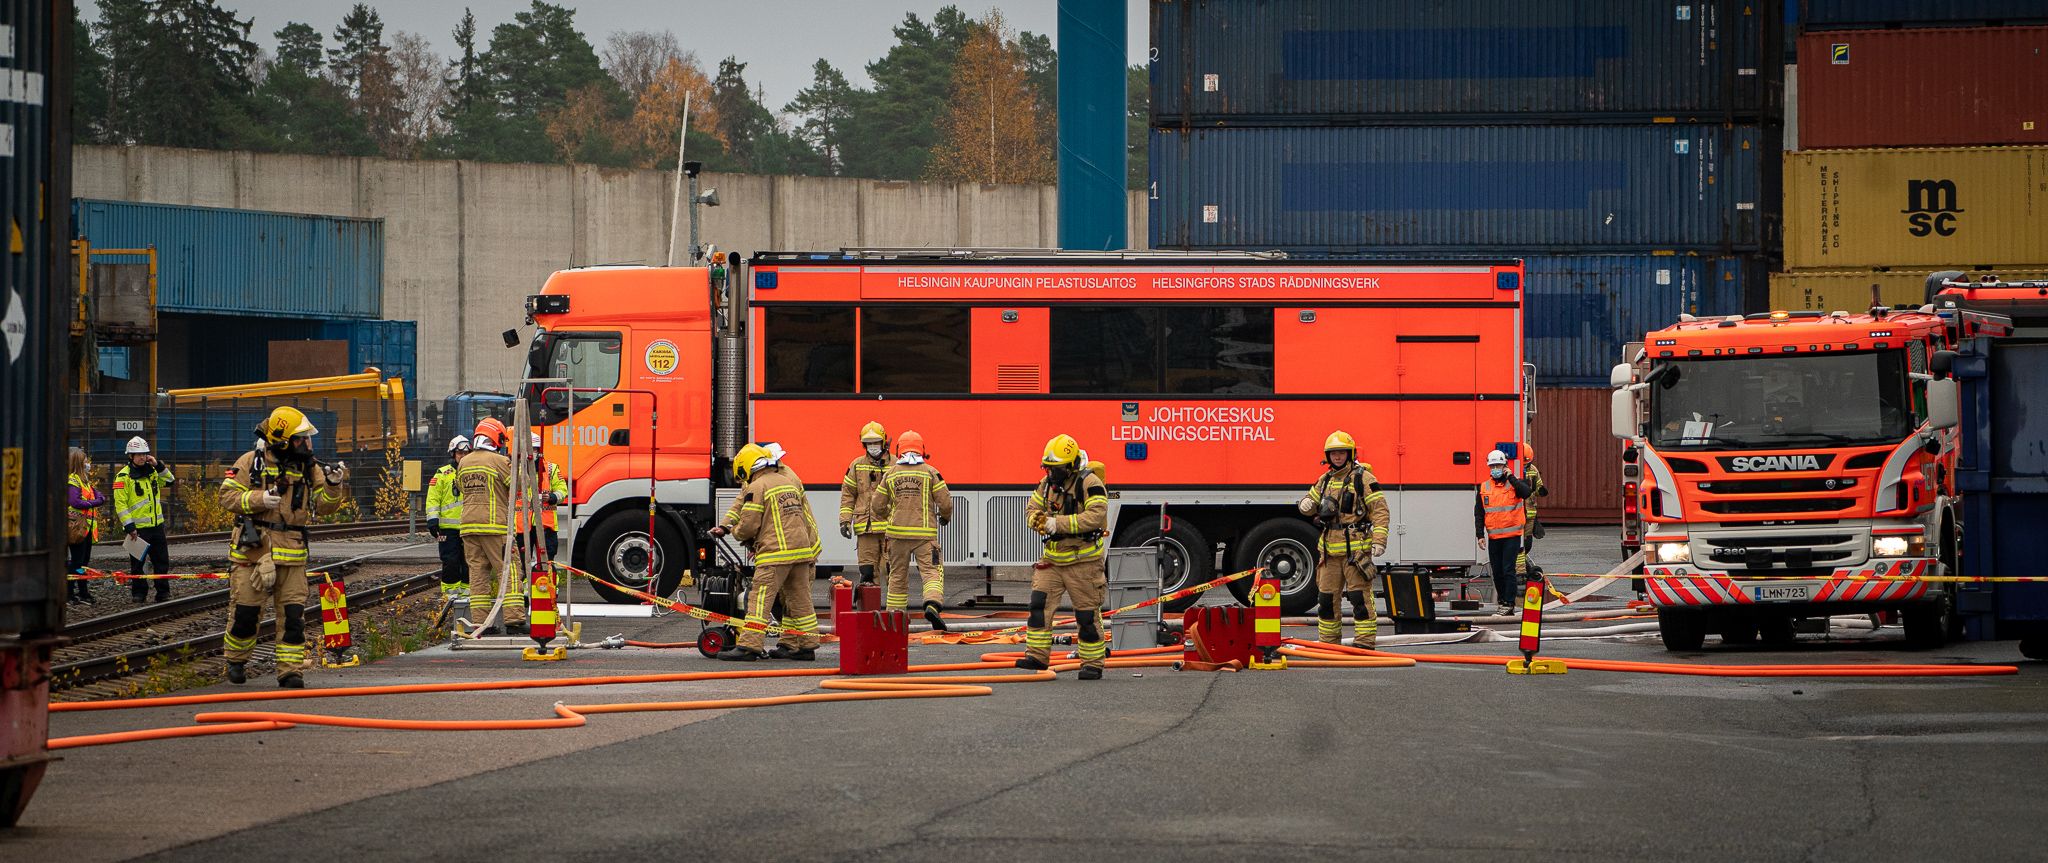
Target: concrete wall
(465, 242)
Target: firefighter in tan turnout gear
(913, 500)
(1351, 512)
(1070, 508)
(773, 517)
(857, 499)
(485, 477)
(275, 490)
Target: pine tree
(299, 49)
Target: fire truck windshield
(1780, 402)
(584, 359)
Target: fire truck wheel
(1777, 630)
(1189, 557)
(1683, 629)
(1286, 547)
(620, 552)
(1926, 624)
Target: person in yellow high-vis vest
(773, 517)
(139, 504)
(444, 520)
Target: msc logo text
(1931, 207)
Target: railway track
(126, 643)
(349, 530)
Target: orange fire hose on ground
(1307, 654)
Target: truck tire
(1683, 629)
(1286, 547)
(618, 550)
(1777, 630)
(1190, 559)
(1926, 623)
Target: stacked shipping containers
(1923, 136)
(231, 281)
(1624, 150)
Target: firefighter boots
(1090, 672)
(931, 614)
(237, 674)
(781, 651)
(291, 680)
(1032, 663)
(739, 654)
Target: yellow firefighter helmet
(1339, 440)
(743, 462)
(873, 433)
(284, 424)
(1062, 449)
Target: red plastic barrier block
(1217, 634)
(875, 642)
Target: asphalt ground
(1429, 762)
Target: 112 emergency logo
(662, 358)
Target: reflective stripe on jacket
(1503, 509)
(444, 499)
(1359, 501)
(913, 499)
(303, 494)
(1079, 517)
(139, 501)
(486, 481)
(857, 493)
(773, 517)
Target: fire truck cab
(1788, 465)
(1206, 383)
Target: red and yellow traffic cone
(541, 619)
(1266, 625)
(1532, 632)
(335, 638)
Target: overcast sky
(777, 39)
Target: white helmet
(1496, 457)
(536, 442)
(137, 446)
(458, 442)
(484, 442)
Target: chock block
(535, 654)
(352, 662)
(1540, 666)
(1279, 663)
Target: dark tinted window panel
(1105, 350)
(808, 350)
(1227, 351)
(914, 349)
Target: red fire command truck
(1205, 382)
(1783, 465)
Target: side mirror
(1621, 375)
(1943, 363)
(1944, 403)
(1622, 414)
(511, 338)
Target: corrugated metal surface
(1520, 188)
(1831, 14)
(1583, 308)
(246, 262)
(35, 165)
(1936, 208)
(389, 346)
(1290, 61)
(1960, 86)
(1849, 291)
(1581, 462)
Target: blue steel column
(1091, 90)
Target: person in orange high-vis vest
(1499, 516)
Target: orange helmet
(492, 429)
(1528, 452)
(909, 442)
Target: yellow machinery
(369, 410)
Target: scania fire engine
(1204, 382)
(1787, 465)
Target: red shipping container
(1580, 459)
(1923, 88)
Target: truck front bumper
(1876, 581)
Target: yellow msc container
(1849, 291)
(1953, 208)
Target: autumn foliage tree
(992, 130)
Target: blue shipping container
(1285, 61)
(114, 362)
(2002, 471)
(390, 347)
(1476, 188)
(1858, 14)
(245, 262)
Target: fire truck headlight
(1674, 552)
(1897, 546)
